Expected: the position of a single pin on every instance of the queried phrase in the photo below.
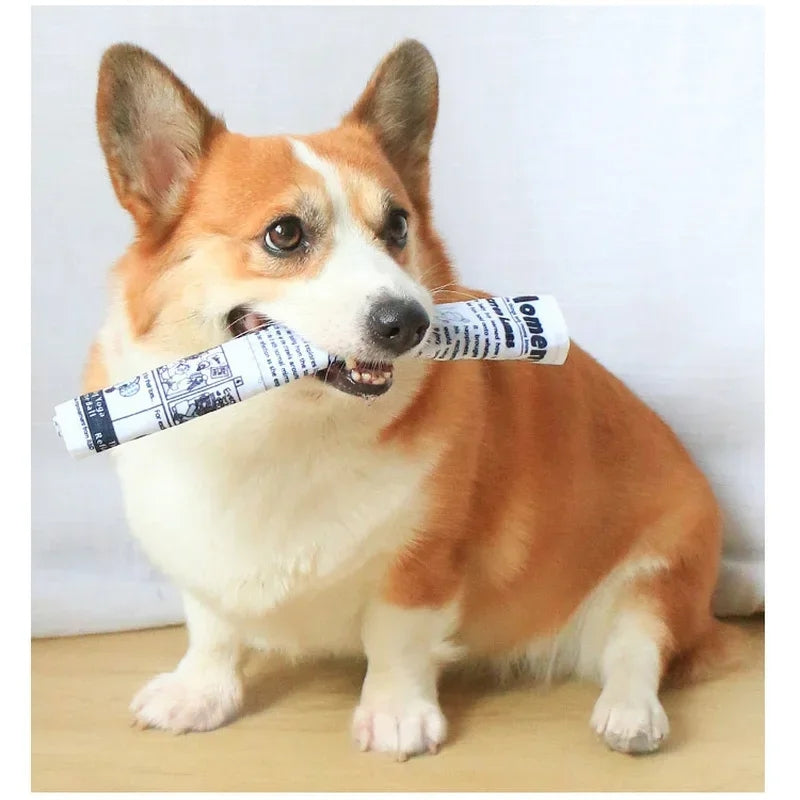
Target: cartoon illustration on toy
(194, 372)
(201, 404)
(452, 317)
(128, 389)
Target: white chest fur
(280, 514)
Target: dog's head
(329, 234)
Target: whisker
(443, 286)
(462, 294)
(432, 269)
(428, 272)
(191, 315)
(230, 326)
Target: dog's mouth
(361, 378)
(241, 320)
(351, 376)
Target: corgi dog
(421, 514)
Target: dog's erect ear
(153, 132)
(399, 105)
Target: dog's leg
(628, 713)
(399, 711)
(205, 690)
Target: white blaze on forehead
(371, 194)
(333, 183)
(331, 307)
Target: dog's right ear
(399, 105)
(154, 133)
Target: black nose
(397, 325)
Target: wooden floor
(294, 734)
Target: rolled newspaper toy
(528, 327)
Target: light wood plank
(294, 735)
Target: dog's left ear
(399, 106)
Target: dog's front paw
(183, 702)
(630, 726)
(403, 729)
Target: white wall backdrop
(610, 156)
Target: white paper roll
(186, 389)
(528, 327)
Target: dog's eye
(397, 227)
(284, 235)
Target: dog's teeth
(369, 376)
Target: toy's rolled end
(552, 323)
(70, 426)
(527, 328)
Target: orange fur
(95, 374)
(553, 477)
(720, 649)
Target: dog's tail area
(723, 649)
